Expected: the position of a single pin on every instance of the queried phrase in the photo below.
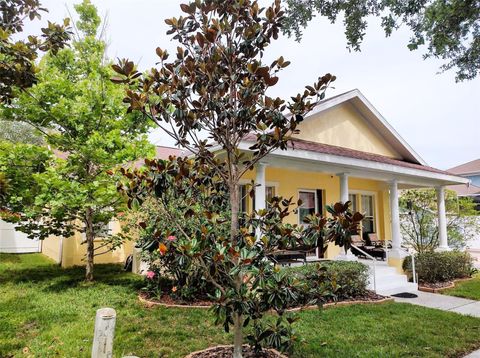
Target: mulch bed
(439, 286)
(227, 352)
(168, 301)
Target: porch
(322, 174)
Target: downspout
(60, 254)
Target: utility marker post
(104, 331)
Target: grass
(46, 311)
(466, 289)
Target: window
(353, 199)
(269, 193)
(308, 199)
(244, 197)
(368, 208)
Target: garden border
(440, 289)
(148, 303)
(191, 355)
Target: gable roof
(373, 117)
(472, 167)
(465, 189)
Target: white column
(260, 186)
(442, 220)
(396, 251)
(345, 255)
(343, 187)
(102, 346)
(260, 192)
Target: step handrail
(412, 255)
(374, 266)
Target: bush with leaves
(330, 281)
(434, 267)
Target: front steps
(388, 280)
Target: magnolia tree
(216, 84)
(82, 118)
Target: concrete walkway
(444, 303)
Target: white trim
(361, 164)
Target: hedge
(433, 267)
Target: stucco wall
(73, 251)
(343, 126)
(289, 182)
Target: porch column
(396, 251)
(442, 220)
(345, 255)
(259, 192)
(260, 186)
(343, 187)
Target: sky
(438, 117)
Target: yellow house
(345, 151)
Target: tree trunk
(90, 237)
(237, 318)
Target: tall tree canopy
(17, 57)
(449, 29)
(82, 117)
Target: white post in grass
(104, 331)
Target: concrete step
(391, 290)
(388, 279)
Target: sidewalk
(444, 303)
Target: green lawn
(49, 312)
(466, 289)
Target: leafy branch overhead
(450, 30)
(18, 70)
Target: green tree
(449, 29)
(82, 117)
(17, 57)
(217, 83)
(19, 162)
(419, 221)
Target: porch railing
(374, 265)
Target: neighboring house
(471, 171)
(12, 241)
(345, 151)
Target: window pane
(353, 199)
(308, 204)
(269, 193)
(367, 205)
(243, 198)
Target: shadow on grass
(59, 278)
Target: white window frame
(374, 194)
(315, 202)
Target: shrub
(331, 280)
(432, 267)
